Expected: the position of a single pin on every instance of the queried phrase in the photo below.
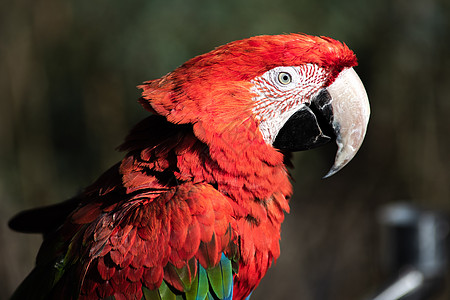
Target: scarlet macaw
(194, 209)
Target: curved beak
(351, 111)
(339, 112)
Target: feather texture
(194, 209)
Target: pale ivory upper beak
(351, 111)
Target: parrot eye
(284, 78)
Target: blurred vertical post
(414, 253)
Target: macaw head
(288, 92)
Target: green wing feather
(221, 278)
(199, 287)
(212, 284)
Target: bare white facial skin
(282, 91)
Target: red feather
(198, 179)
(106, 270)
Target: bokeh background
(68, 71)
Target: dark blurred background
(68, 71)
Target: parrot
(194, 208)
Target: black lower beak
(311, 125)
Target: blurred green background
(68, 71)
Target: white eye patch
(281, 91)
